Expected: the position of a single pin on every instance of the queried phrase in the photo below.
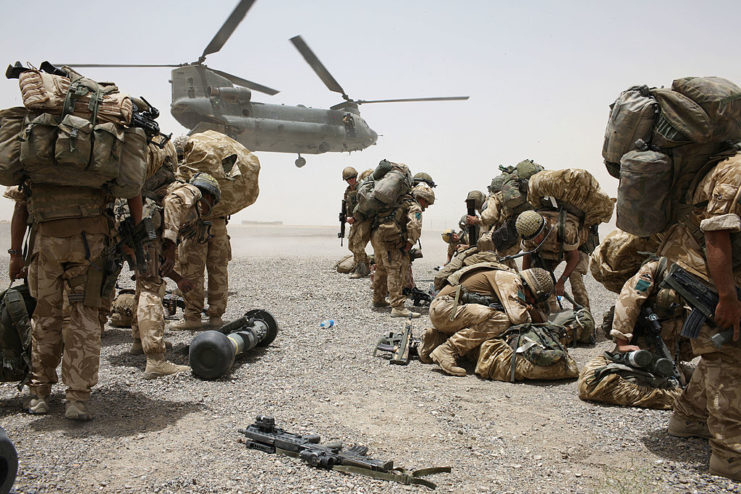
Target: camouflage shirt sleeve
(509, 290)
(179, 210)
(724, 193)
(490, 215)
(632, 297)
(414, 222)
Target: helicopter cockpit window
(349, 122)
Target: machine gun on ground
(264, 436)
(398, 348)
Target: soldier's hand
(559, 288)
(350, 220)
(624, 346)
(728, 314)
(185, 285)
(472, 220)
(17, 268)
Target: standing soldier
(395, 232)
(359, 234)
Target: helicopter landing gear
(300, 162)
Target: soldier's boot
(725, 467)
(37, 405)
(445, 357)
(361, 271)
(136, 348)
(186, 325)
(157, 366)
(77, 410)
(403, 312)
(431, 339)
(380, 303)
(215, 322)
(681, 425)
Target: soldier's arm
(179, 208)
(572, 259)
(414, 224)
(728, 310)
(632, 296)
(17, 231)
(135, 208)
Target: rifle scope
(212, 353)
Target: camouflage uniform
(641, 289)
(194, 258)
(493, 216)
(552, 252)
(70, 232)
(392, 232)
(360, 231)
(714, 392)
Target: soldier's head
(424, 178)
(478, 197)
(538, 283)
(424, 195)
(450, 236)
(531, 226)
(350, 175)
(209, 187)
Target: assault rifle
(171, 303)
(343, 219)
(702, 298)
(135, 237)
(145, 119)
(263, 435)
(419, 297)
(649, 322)
(471, 207)
(398, 347)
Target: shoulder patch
(521, 296)
(419, 215)
(642, 285)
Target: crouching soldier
(624, 377)
(480, 302)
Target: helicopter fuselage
(203, 100)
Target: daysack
(572, 189)
(619, 257)
(16, 307)
(515, 184)
(464, 258)
(233, 166)
(389, 182)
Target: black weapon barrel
(212, 353)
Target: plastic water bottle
(327, 323)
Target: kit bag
(11, 125)
(383, 189)
(234, 167)
(573, 189)
(16, 307)
(644, 201)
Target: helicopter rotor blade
(404, 100)
(318, 67)
(109, 65)
(244, 82)
(227, 28)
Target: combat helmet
(539, 281)
(423, 177)
(447, 235)
(528, 168)
(529, 224)
(497, 183)
(478, 198)
(349, 172)
(207, 183)
(423, 191)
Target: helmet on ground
(539, 281)
(529, 224)
(528, 168)
(423, 177)
(423, 191)
(207, 183)
(349, 172)
(478, 197)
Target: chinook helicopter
(208, 99)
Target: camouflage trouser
(194, 259)
(392, 265)
(714, 394)
(357, 239)
(472, 324)
(148, 323)
(56, 278)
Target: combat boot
(445, 357)
(37, 405)
(729, 468)
(403, 312)
(157, 366)
(77, 410)
(431, 339)
(380, 303)
(215, 322)
(681, 425)
(360, 271)
(186, 325)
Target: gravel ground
(179, 434)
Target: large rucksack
(72, 132)
(16, 307)
(619, 257)
(660, 142)
(383, 189)
(234, 167)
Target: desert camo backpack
(16, 307)
(383, 189)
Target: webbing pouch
(38, 141)
(74, 142)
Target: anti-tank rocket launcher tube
(212, 353)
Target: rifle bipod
(212, 353)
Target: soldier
(454, 240)
(555, 237)
(464, 310)
(72, 238)
(359, 235)
(707, 244)
(468, 220)
(394, 234)
(606, 379)
(423, 178)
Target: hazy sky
(540, 75)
